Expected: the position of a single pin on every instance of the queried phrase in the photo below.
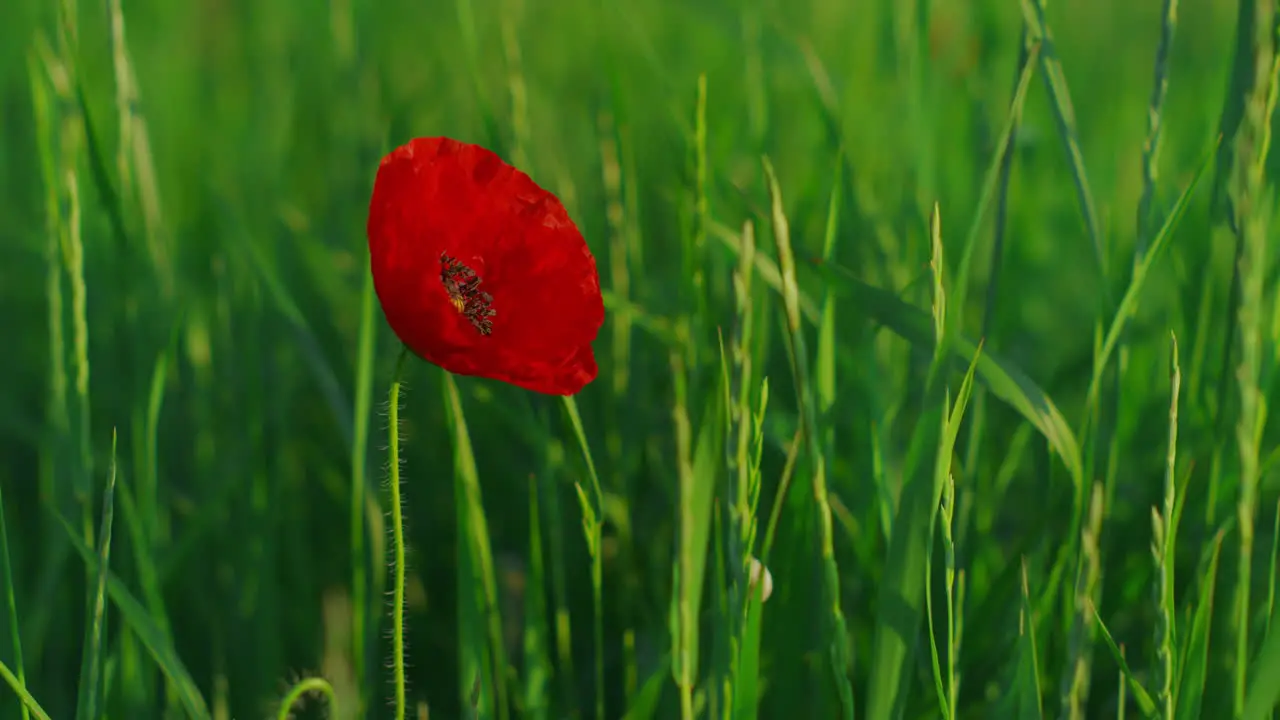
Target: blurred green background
(183, 268)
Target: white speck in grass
(757, 569)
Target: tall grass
(892, 294)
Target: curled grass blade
(314, 686)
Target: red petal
(436, 195)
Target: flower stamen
(463, 286)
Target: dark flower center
(463, 286)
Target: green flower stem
(397, 531)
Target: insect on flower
(480, 271)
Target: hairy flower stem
(397, 532)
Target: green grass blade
(1033, 13)
(592, 524)
(1025, 691)
(310, 347)
(902, 588)
(996, 176)
(1077, 672)
(1164, 550)
(747, 690)
(738, 376)
(1002, 378)
(482, 591)
(91, 668)
(1272, 571)
(1263, 695)
(1129, 303)
(29, 704)
(1145, 702)
(1254, 206)
(1195, 668)
(538, 669)
(645, 704)
(698, 476)
(683, 612)
(362, 493)
(471, 59)
(135, 615)
(836, 628)
(143, 533)
(1147, 215)
(11, 606)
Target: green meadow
(963, 318)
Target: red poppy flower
(480, 271)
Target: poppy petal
(481, 271)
